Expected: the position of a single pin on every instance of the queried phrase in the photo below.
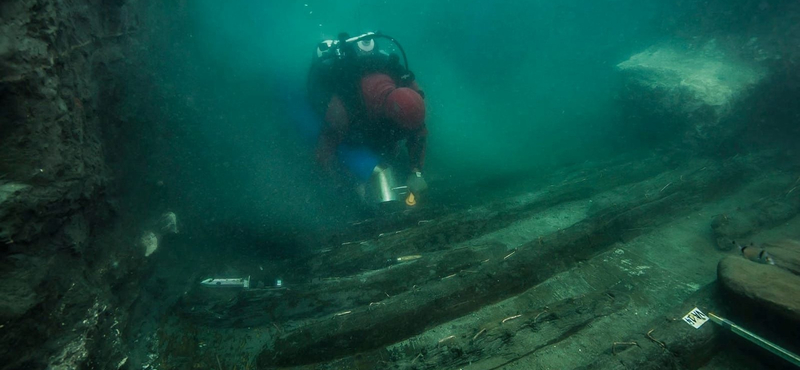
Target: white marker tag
(695, 318)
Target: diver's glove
(416, 183)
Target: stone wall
(58, 64)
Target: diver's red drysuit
(378, 114)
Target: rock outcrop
(58, 62)
(698, 92)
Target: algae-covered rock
(7, 190)
(701, 88)
(20, 275)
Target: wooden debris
(408, 258)
(510, 318)
(660, 343)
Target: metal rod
(761, 342)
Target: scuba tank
(329, 51)
(334, 61)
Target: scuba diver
(369, 103)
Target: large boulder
(695, 91)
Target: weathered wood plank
(407, 314)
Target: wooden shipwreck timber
(449, 293)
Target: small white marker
(695, 318)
